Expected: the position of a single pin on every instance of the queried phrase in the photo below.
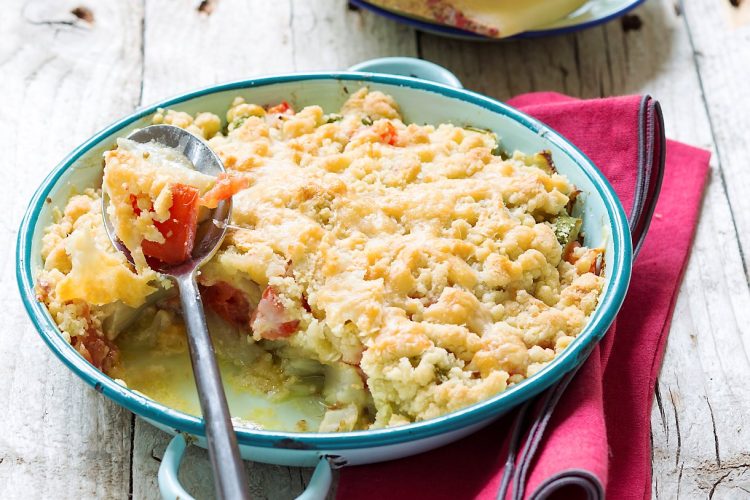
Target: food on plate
(493, 18)
(157, 199)
(376, 271)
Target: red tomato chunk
(178, 230)
(271, 319)
(228, 302)
(226, 186)
(282, 107)
(390, 135)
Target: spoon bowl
(229, 473)
(210, 232)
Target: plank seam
(677, 427)
(292, 35)
(132, 456)
(143, 52)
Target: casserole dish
(605, 225)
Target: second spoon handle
(228, 471)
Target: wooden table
(65, 72)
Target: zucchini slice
(567, 229)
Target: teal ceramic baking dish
(421, 101)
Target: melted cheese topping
(144, 173)
(411, 251)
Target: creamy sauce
(154, 361)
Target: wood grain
(707, 366)
(329, 36)
(722, 54)
(63, 78)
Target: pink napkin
(596, 440)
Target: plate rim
(459, 34)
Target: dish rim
(438, 29)
(567, 360)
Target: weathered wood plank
(63, 78)
(187, 48)
(329, 36)
(701, 384)
(720, 35)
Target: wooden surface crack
(713, 428)
(716, 483)
(292, 40)
(132, 451)
(143, 53)
(677, 427)
(608, 60)
(660, 405)
(577, 59)
(35, 72)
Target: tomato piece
(567, 253)
(134, 203)
(228, 302)
(271, 319)
(284, 330)
(390, 135)
(282, 107)
(226, 186)
(97, 350)
(178, 230)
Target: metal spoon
(229, 474)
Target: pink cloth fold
(600, 428)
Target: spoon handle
(228, 471)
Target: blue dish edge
(573, 356)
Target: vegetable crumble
(395, 271)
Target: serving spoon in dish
(228, 471)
